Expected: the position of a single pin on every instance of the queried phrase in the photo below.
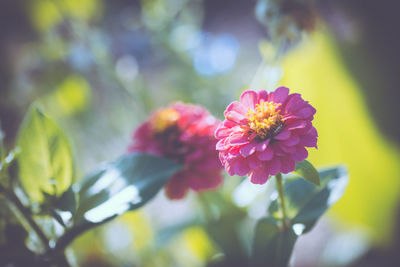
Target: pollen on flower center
(164, 118)
(265, 120)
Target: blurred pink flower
(184, 133)
(265, 133)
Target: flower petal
(297, 124)
(310, 139)
(176, 187)
(284, 135)
(258, 177)
(293, 140)
(288, 149)
(300, 154)
(265, 155)
(241, 167)
(279, 95)
(263, 96)
(293, 103)
(222, 131)
(255, 163)
(249, 98)
(274, 166)
(263, 145)
(237, 107)
(248, 149)
(221, 145)
(237, 139)
(306, 112)
(204, 181)
(287, 165)
(235, 116)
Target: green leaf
(272, 245)
(117, 187)
(123, 185)
(223, 218)
(67, 201)
(307, 171)
(45, 162)
(306, 202)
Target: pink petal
(306, 112)
(277, 150)
(222, 131)
(229, 124)
(197, 154)
(310, 139)
(265, 155)
(294, 102)
(263, 96)
(237, 107)
(221, 144)
(204, 181)
(298, 124)
(176, 187)
(287, 165)
(274, 166)
(248, 149)
(208, 163)
(258, 177)
(284, 135)
(237, 139)
(300, 154)
(235, 117)
(249, 98)
(293, 140)
(288, 149)
(263, 145)
(255, 163)
(279, 95)
(240, 167)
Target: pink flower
(265, 133)
(184, 133)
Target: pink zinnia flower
(265, 133)
(184, 133)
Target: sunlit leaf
(117, 187)
(307, 171)
(272, 245)
(306, 202)
(123, 185)
(45, 160)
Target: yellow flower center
(164, 118)
(265, 119)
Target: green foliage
(223, 218)
(45, 163)
(272, 245)
(123, 185)
(305, 202)
(117, 187)
(307, 171)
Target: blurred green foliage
(45, 162)
(99, 68)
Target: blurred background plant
(99, 67)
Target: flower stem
(279, 187)
(26, 215)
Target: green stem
(279, 187)
(26, 214)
